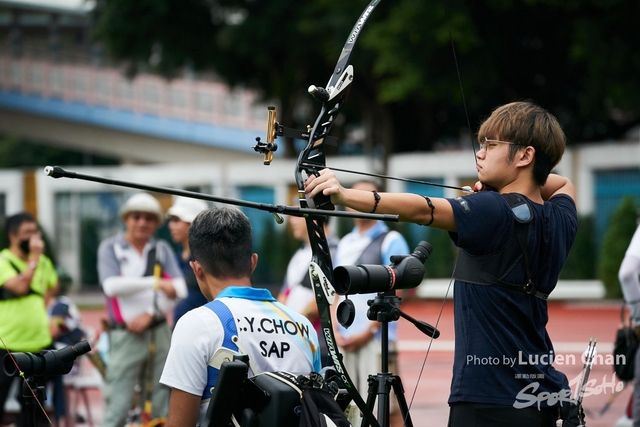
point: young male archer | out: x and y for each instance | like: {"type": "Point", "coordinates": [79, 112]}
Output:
{"type": "Point", "coordinates": [514, 237]}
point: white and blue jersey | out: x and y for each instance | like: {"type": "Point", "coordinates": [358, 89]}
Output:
{"type": "Point", "coordinates": [240, 320]}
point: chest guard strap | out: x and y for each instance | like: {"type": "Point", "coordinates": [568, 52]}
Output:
{"type": "Point", "coordinates": [492, 269]}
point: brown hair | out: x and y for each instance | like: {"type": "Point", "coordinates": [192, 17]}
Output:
{"type": "Point", "coordinates": [526, 124]}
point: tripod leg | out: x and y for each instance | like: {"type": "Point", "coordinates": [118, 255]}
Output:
{"type": "Point", "coordinates": [384, 389]}
{"type": "Point", "coordinates": [398, 390]}
{"type": "Point", "coordinates": [371, 397]}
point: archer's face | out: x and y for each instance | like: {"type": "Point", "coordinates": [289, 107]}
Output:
{"type": "Point", "coordinates": [493, 164]}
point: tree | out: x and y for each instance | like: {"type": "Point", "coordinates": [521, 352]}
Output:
{"type": "Point", "coordinates": [576, 58]}
{"type": "Point", "coordinates": [622, 225]}
{"type": "Point", "coordinates": [581, 264]}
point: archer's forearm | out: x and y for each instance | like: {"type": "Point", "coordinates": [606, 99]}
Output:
{"type": "Point", "coordinates": [409, 207]}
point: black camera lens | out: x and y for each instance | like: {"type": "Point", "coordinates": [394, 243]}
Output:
{"type": "Point", "coordinates": [363, 279]}
{"type": "Point", "coordinates": [47, 362]}
{"type": "Point", "coordinates": [404, 272]}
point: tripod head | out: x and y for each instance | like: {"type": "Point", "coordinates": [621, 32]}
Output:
{"type": "Point", "coordinates": [385, 307]}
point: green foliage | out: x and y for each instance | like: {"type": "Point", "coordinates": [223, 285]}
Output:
{"type": "Point", "coordinates": [581, 264]}
{"type": "Point", "coordinates": [578, 59]}
{"type": "Point", "coordinates": [442, 260]}
{"type": "Point", "coordinates": [622, 225]}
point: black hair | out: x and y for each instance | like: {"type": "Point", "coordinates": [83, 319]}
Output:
{"type": "Point", "coordinates": [12, 224]}
{"type": "Point", "coordinates": [220, 240]}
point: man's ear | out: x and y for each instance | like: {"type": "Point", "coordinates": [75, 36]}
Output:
{"type": "Point", "coordinates": [527, 156]}
{"type": "Point", "coordinates": [197, 270]}
{"type": "Point", "coordinates": [254, 262]}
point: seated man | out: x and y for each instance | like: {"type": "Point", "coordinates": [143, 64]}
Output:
{"type": "Point", "coordinates": [238, 319]}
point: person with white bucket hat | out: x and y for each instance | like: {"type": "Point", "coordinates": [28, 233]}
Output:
{"type": "Point", "coordinates": [181, 215]}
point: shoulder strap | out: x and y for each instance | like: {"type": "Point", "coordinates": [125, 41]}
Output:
{"type": "Point", "coordinates": [372, 254]}
{"type": "Point", "coordinates": [522, 215]}
{"type": "Point", "coordinates": [151, 261]}
{"type": "Point", "coordinates": [231, 345]}
{"type": "Point", "coordinates": [491, 270]}
{"type": "Point", "coordinates": [7, 294]}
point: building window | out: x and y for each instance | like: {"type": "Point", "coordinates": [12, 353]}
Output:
{"type": "Point", "coordinates": [37, 78]}
{"type": "Point", "coordinates": [177, 98]}
{"type": "Point", "coordinates": [610, 188]}
{"type": "Point", "coordinates": [204, 102]}
{"type": "Point", "coordinates": [126, 90]}
{"type": "Point", "coordinates": [80, 83]}
{"type": "Point", "coordinates": [16, 74]}
{"type": "Point", "coordinates": [103, 86]}
{"type": "Point", "coordinates": [150, 94]}
{"type": "Point", "coordinates": [57, 80]}
{"type": "Point", "coordinates": [233, 104]}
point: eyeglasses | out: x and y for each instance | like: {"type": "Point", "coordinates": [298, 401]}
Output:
{"type": "Point", "coordinates": [483, 145]}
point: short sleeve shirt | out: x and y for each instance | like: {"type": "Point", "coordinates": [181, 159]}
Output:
{"type": "Point", "coordinates": [275, 337]}
{"type": "Point", "coordinates": [502, 348]}
{"type": "Point", "coordinates": [24, 322]}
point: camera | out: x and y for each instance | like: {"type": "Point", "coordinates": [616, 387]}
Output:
{"type": "Point", "coordinates": [46, 362]}
{"type": "Point", "coordinates": [404, 272]}
{"type": "Point", "coordinates": [271, 399]}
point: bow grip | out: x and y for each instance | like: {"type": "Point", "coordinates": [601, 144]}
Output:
{"type": "Point", "coordinates": [323, 202]}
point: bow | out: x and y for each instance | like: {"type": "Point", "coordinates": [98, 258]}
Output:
{"type": "Point", "coordinates": [310, 161]}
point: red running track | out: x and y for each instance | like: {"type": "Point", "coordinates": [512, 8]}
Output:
{"type": "Point", "coordinates": [426, 385]}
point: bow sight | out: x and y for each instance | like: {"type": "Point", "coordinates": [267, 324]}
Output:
{"type": "Point", "coordinates": [275, 129]}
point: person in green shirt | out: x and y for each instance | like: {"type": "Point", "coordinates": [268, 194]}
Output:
{"type": "Point", "coordinates": [27, 279]}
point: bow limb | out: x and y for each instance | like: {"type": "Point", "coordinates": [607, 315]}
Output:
{"type": "Point", "coordinates": [310, 161]}
{"type": "Point", "coordinates": [333, 97]}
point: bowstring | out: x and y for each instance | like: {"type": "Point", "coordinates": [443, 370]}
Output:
{"type": "Point", "coordinates": [473, 149]}
{"type": "Point", "coordinates": [455, 60]}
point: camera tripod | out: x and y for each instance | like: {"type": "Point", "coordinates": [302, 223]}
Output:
{"type": "Point", "coordinates": [37, 369]}
{"type": "Point", "coordinates": [385, 308]}
{"type": "Point", "coordinates": [33, 391]}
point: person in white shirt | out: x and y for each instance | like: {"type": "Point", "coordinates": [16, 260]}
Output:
{"type": "Point", "coordinates": [239, 319]}
{"type": "Point", "coordinates": [629, 275]}
{"type": "Point", "coordinates": [136, 309]}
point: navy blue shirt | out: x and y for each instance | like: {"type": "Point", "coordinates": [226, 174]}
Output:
{"type": "Point", "coordinates": [503, 354]}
